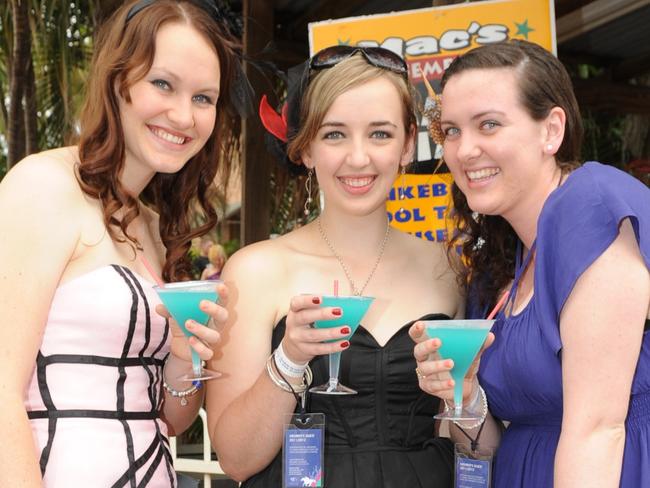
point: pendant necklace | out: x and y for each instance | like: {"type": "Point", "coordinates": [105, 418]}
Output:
{"type": "Point", "coordinates": [353, 288]}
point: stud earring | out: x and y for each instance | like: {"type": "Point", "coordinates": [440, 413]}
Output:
{"type": "Point", "coordinates": [549, 147]}
{"type": "Point", "coordinates": [308, 183]}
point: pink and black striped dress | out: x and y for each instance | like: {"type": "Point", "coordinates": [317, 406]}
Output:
{"type": "Point", "coordinates": [95, 396]}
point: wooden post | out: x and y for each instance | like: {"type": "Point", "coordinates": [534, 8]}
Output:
{"type": "Point", "coordinates": [256, 161]}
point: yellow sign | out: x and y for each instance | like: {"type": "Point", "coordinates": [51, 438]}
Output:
{"type": "Point", "coordinates": [429, 39]}
{"type": "Point", "coordinates": [441, 31]}
{"type": "Point", "coordinates": [418, 204]}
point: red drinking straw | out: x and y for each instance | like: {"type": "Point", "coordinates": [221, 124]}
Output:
{"type": "Point", "coordinates": [152, 272]}
{"type": "Point", "coordinates": [498, 306]}
{"type": "Point", "coordinates": [336, 288]}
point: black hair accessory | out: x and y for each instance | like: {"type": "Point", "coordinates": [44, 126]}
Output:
{"type": "Point", "coordinates": [281, 128]}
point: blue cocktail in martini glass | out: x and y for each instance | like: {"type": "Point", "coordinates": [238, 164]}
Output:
{"type": "Point", "coordinates": [353, 308]}
{"type": "Point", "coordinates": [460, 341]}
{"type": "Point", "coordinates": [182, 301]}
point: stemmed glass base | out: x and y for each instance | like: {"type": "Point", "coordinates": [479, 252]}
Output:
{"type": "Point", "coordinates": [332, 388]}
{"type": "Point", "coordinates": [460, 414]}
{"type": "Point", "coordinates": [204, 375]}
{"type": "Point", "coordinates": [198, 372]}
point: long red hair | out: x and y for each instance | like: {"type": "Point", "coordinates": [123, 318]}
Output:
{"type": "Point", "coordinates": [123, 55]}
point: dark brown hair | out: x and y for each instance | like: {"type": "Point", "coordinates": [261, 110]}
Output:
{"type": "Point", "coordinates": [124, 53]}
{"type": "Point", "coordinates": [488, 241]}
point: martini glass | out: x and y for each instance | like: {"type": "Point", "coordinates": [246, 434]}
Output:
{"type": "Point", "coordinates": [354, 308]}
{"type": "Point", "coordinates": [182, 300]}
{"type": "Point", "coordinates": [461, 341]}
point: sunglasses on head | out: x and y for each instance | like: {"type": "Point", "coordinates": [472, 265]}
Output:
{"type": "Point", "coordinates": [376, 56]}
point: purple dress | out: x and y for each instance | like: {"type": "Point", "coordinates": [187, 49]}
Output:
{"type": "Point", "coordinates": [522, 371]}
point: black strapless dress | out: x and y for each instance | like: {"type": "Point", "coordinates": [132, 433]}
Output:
{"type": "Point", "coordinates": [384, 436]}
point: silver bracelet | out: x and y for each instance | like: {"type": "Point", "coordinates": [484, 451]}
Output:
{"type": "Point", "coordinates": [480, 398]}
{"type": "Point", "coordinates": [286, 366]}
{"type": "Point", "coordinates": [281, 383]}
{"type": "Point", "coordinates": [194, 388]}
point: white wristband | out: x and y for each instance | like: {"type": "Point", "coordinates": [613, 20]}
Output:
{"type": "Point", "coordinates": [286, 366]}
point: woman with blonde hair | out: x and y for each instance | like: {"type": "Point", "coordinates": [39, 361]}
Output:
{"type": "Point", "coordinates": [217, 259]}
{"type": "Point", "coordinates": [356, 129]}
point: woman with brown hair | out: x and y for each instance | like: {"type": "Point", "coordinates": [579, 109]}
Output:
{"type": "Point", "coordinates": [89, 370]}
{"type": "Point", "coordinates": [355, 131]}
{"type": "Point", "coordinates": [569, 368]}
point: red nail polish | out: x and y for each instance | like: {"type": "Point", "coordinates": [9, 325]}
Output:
{"type": "Point", "coordinates": [345, 330]}
{"type": "Point", "coordinates": [336, 311]}
{"type": "Point", "coordinates": [345, 344]}
{"type": "Point", "coordinates": [315, 300]}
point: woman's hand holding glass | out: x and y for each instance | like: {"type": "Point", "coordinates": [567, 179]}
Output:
{"type": "Point", "coordinates": [302, 342]}
{"type": "Point", "coordinates": [204, 337]}
{"type": "Point", "coordinates": [434, 373]}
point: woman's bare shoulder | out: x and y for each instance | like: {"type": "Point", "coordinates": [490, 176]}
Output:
{"type": "Point", "coordinates": [46, 179]}
{"type": "Point", "coordinates": [257, 260]}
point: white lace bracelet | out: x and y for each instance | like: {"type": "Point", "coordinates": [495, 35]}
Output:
{"type": "Point", "coordinates": [481, 399]}
{"type": "Point", "coordinates": [286, 366]}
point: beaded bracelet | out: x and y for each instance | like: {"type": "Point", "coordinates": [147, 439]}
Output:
{"type": "Point", "coordinates": [182, 394]}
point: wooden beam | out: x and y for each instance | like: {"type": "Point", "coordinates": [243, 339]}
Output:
{"type": "Point", "coordinates": [563, 7]}
{"type": "Point", "coordinates": [256, 161]}
{"type": "Point", "coordinates": [612, 97]}
{"type": "Point", "coordinates": [593, 15]}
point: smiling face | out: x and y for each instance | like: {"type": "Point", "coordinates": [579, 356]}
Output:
{"type": "Point", "coordinates": [172, 111]}
{"type": "Point", "coordinates": [359, 147]}
{"type": "Point", "coordinates": [501, 159]}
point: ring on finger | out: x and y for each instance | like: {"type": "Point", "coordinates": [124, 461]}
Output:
{"type": "Point", "coordinates": [419, 374]}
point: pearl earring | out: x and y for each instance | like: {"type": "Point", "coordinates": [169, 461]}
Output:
{"type": "Point", "coordinates": [549, 147]}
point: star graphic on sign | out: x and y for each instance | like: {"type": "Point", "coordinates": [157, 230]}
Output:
{"type": "Point", "coordinates": [523, 29]}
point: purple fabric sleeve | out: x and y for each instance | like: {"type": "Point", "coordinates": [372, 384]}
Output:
{"type": "Point", "coordinates": [579, 221]}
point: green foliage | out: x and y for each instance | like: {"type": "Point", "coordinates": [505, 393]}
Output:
{"type": "Point", "coordinates": [5, 49]}
{"type": "Point", "coordinates": [603, 139]}
{"type": "Point", "coordinates": [61, 50]}
{"type": "Point", "coordinates": [288, 197]}
{"type": "Point", "coordinates": [231, 246]}
{"type": "Point", "coordinates": [603, 131]}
